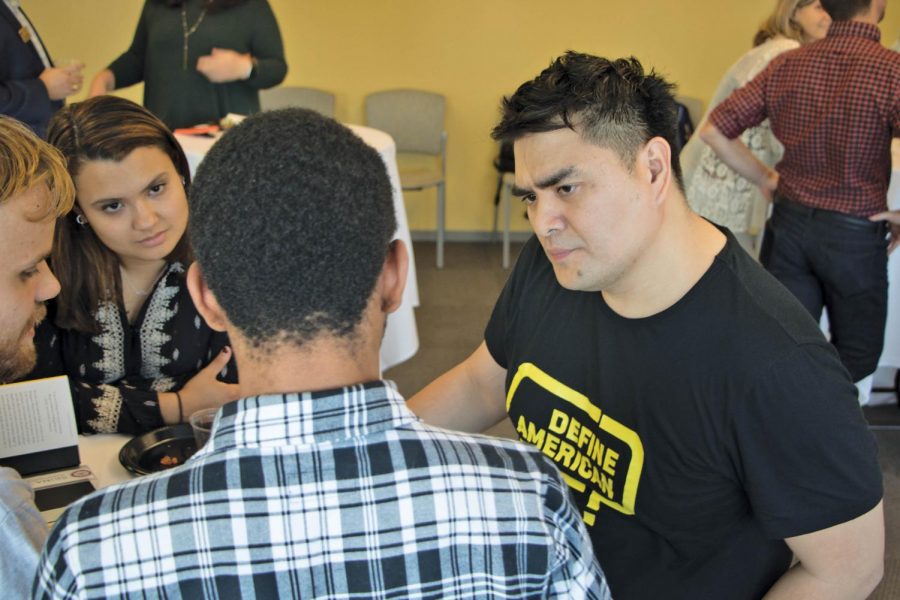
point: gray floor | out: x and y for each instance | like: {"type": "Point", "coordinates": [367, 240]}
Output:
{"type": "Point", "coordinates": [455, 305]}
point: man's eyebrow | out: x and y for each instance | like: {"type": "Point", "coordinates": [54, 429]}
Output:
{"type": "Point", "coordinates": [549, 181]}
{"type": "Point", "coordinates": [33, 263]}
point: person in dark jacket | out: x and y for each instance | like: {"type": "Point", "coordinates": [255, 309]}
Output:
{"type": "Point", "coordinates": [31, 87]}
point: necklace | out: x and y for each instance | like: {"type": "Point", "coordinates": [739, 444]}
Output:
{"type": "Point", "coordinates": [188, 31]}
{"type": "Point", "coordinates": [134, 290]}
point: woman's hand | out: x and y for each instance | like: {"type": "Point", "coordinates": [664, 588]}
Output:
{"type": "Point", "coordinates": [203, 390]}
{"type": "Point", "coordinates": [103, 83]}
{"type": "Point", "coordinates": [222, 66]}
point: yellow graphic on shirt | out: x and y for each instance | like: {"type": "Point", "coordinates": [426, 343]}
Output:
{"type": "Point", "coordinates": [590, 465]}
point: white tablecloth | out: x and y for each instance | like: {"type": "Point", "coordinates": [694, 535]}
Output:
{"type": "Point", "coordinates": [890, 356]}
{"type": "Point", "coordinates": [101, 453]}
{"type": "Point", "coordinates": [401, 338]}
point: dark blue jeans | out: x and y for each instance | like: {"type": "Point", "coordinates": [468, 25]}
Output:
{"type": "Point", "coordinates": [837, 261]}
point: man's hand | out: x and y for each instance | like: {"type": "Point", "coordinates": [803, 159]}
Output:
{"type": "Point", "coordinates": [62, 81]}
{"type": "Point", "coordinates": [222, 66]}
{"type": "Point", "coordinates": [893, 219]}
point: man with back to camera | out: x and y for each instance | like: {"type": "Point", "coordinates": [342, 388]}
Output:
{"type": "Point", "coordinates": [34, 189]}
{"type": "Point", "coordinates": [834, 105]}
{"type": "Point", "coordinates": [319, 482]}
{"type": "Point", "coordinates": [703, 423]}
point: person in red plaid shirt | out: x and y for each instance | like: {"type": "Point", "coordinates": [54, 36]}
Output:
{"type": "Point", "coordinates": [835, 105]}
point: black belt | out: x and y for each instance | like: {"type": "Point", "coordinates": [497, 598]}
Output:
{"type": "Point", "coordinates": [828, 215]}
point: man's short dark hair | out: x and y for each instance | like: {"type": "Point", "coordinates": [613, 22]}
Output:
{"type": "Point", "coordinates": [845, 10]}
{"type": "Point", "coordinates": [291, 219]}
{"type": "Point", "coordinates": [613, 102]}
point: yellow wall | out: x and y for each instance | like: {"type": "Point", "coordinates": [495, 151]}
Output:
{"type": "Point", "coordinates": [473, 51]}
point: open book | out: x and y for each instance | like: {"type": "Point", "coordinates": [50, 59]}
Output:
{"type": "Point", "coordinates": [39, 439]}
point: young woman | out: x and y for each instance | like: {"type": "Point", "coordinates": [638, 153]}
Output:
{"type": "Point", "coordinates": [715, 191]}
{"type": "Point", "coordinates": [124, 328]}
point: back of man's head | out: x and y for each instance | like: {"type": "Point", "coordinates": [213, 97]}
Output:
{"type": "Point", "coordinates": [291, 219]}
{"type": "Point", "coordinates": [26, 161]}
{"type": "Point", "coordinates": [845, 10]}
{"type": "Point", "coordinates": [613, 103]}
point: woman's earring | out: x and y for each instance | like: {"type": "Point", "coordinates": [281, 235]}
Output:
{"type": "Point", "coordinates": [79, 218]}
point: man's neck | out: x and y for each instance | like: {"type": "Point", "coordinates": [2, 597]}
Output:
{"type": "Point", "coordinates": [317, 365]}
{"type": "Point", "coordinates": [872, 16]}
{"type": "Point", "coordinates": [670, 266]}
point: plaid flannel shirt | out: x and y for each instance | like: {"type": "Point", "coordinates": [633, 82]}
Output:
{"type": "Point", "coordinates": [338, 494]}
{"type": "Point", "coordinates": [834, 105]}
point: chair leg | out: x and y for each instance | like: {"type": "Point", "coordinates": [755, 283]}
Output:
{"type": "Point", "coordinates": [506, 193]}
{"type": "Point", "coordinates": [497, 203]}
{"type": "Point", "coordinates": [440, 225]}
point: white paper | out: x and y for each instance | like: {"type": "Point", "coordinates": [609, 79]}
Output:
{"type": "Point", "coordinates": [36, 416]}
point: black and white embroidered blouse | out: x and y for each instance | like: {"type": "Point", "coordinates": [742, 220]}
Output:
{"type": "Point", "coordinates": [115, 374]}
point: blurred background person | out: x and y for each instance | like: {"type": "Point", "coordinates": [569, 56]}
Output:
{"type": "Point", "coordinates": [200, 59]}
{"type": "Point", "coordinates": [31, 88]}
{"type": "Point", "coordinates": [124, 328]}
{"type": "Point", "coordinates": [715, 191]}
{"type": "Point", "coordinates": [835, 105]}
{"type": "Point", "coordinates": [34, 190]}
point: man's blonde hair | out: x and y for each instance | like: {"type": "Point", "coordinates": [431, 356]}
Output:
{"type": "Point", "coordinates": [26, 161]}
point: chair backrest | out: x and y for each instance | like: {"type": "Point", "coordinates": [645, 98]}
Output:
{"type": "Point", "coordinates": [414, 118]}
{"type": "Point", "coordinates": [694, 107]}
{"type": "Point", "coordinates": [506, 158]}
{"type": "Point", "coordinates": [304, 97]}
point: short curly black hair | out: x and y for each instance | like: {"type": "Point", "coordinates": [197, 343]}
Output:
{"type": "Point", "coordinates": [613, 102]}
{"type": "Point", "coordinates": [845, 10]}
{"type": "Point", "coordinates": [292, 216]}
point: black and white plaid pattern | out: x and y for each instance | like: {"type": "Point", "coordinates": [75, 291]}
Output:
{"type": "Point", "coordinates": [339, 494]}
{"type": "Point", "coordinates": [834, 104]}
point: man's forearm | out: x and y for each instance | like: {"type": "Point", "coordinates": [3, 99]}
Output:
{"type": "Point", "coordinates": [468, 397]}
{"type": "Point", "coordinates": [798, 583]}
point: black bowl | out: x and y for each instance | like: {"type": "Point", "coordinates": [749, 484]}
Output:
{"type": "Point", "coordinates": [159, 449]}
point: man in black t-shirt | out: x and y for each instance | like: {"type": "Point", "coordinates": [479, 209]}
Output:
{"type": "Point", "coordinates": [705, 427]}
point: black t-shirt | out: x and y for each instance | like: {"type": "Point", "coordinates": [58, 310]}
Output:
{"type": "Point", "coordinates": [694, 440]}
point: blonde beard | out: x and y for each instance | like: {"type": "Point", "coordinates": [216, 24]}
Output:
{"type": "Point", "coordinates": [22, 354]}
{"type": "Point", "coordinates": [16, 365]}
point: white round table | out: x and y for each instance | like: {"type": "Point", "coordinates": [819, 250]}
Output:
{"type": "Point", "coordinates": [890, 356]}
{"type": "Point", "coordinates": [401, 337]}
{"type": "Point", "coordinates": [100, 452]}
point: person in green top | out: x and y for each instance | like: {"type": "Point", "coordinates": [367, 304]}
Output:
{"type": "Point", "coordinates": [200, 59]}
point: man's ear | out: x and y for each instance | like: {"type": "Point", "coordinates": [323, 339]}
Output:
{"type": "Point", "coordinates": [657, 158]}
{"type": "Point", "coordinates": [204, 299]}
{"type": "Point", "coordinates": [392, 280]}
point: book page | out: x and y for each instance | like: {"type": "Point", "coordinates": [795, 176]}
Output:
{"type": "Point", "coordinates": [36, 416]}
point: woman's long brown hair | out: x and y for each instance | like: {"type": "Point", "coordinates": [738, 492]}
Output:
{"type": "Point", "coordinates": [101, 128]}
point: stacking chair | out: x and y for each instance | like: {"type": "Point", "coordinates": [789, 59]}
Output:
{"type": "Point", "coordinates": [304, 97]}
{"type": "Point", "coordinates": [505, 163]}
{"type": "Point", "coordinates": [694, 108]}
{"type": "Point", "coordinates": [689, 113]}
{"type": "Point", "coordinates": [415, 119]}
